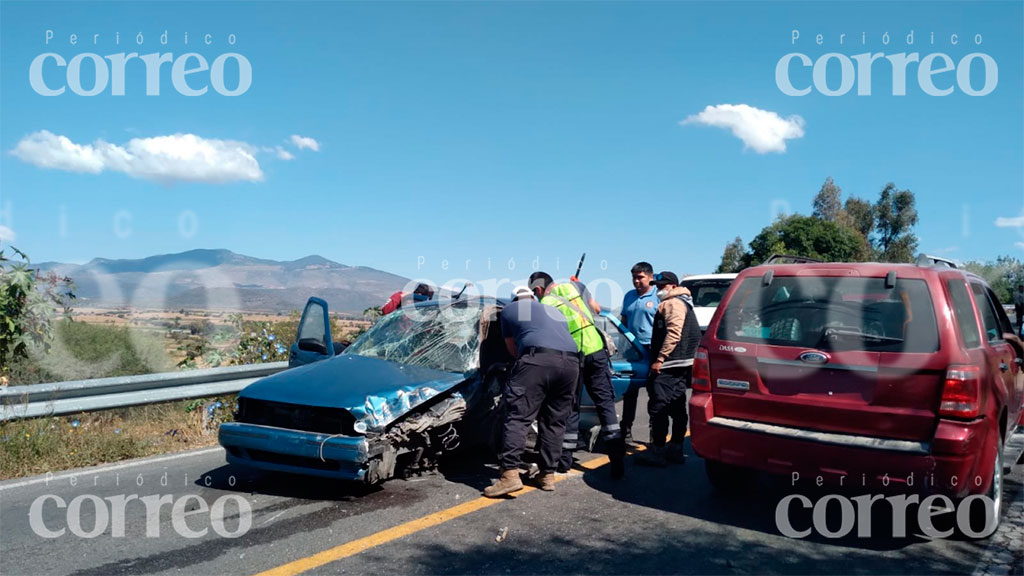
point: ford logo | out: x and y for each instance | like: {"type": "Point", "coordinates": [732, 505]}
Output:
{"type": "Point", "coordinates": [814, 357]}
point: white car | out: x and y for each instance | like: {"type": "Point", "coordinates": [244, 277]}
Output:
{"type": "Point", "coordinates": [707, 291]}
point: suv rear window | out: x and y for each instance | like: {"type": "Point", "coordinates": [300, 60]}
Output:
{"type": "Point", "coordinates": [707, 293]}
{"type": "Point", "coordinates": [838, 313]}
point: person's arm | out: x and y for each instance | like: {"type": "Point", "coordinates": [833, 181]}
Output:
{"type": "Point", "coordinates": [674, 319]}
{"type": "Point", "coordinates": [510, 327]}
{"type": "Point", "coordinates": [510, 343]}
{"type": "Point", "coordinates": [392, 304]}
{"type": "Point", "coordinates": [588, 297]}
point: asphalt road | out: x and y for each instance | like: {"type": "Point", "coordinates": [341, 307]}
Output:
{"type": "Point", "coordinates": [655, 521]}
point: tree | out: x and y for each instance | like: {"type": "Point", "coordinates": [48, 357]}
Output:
{"type": "Point", "coordinates": [895, 217]}
{"type": "Point", "coordinates": [1003, 275]}
{"type": "Point", "coordinates": [828, 204]}
{"type": "Point", "coordinates": [860, 215]}
{"type": "Point", "coordinates": [372, 314]}
{"type": "Point", "coordinates": [806, 236]}
{"type": "Point", "coordinates": [29, 303]}
{"type": "Point", "coordinates": [732, 257]}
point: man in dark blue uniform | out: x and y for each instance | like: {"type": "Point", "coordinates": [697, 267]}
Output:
{"type": "Point", "coordinates": [541, 387]}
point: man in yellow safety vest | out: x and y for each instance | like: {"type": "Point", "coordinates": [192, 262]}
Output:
{"type": "Point", "coordinates": [573, 300]}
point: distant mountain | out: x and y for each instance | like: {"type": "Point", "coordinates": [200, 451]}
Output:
{"type": "Point", "coordinates": [224, 280]}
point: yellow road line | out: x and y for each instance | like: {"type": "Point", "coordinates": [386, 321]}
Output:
{"type": "Point", "coordinates": [383, 537]}
{"type": "Point", "coordinates": [356, 546]}
{"type": "Point", "coordinates": [411, 527]}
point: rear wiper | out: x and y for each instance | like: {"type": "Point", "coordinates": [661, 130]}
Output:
{"type": "Point", "coordinates": [834, 334]}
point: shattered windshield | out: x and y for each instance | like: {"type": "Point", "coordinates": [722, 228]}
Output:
{"type": "Point", "coordinates": [439, 337]}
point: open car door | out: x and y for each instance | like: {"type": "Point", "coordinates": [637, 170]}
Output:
{"type": "Point", "coordinates": [630, 363]}
{"type": "Point", "coordinates": [313, 340]}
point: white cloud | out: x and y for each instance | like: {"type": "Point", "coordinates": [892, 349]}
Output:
{"type": "Point", "coordinates": [6, 234]}
{"type": "Point", "coordinates": [178, 157]}
{"type": "Point", "coordinates": [47, 150]}
{"type": "Point", "coordinates": [303, 142]}
{"type": "Point", "coordinates": [1017, 222]}
{"type": "Point", "coordinates": [1019, 245]}
{"type": "Point", "coordinates": [284, 154]}
{"type": "Point", "coordinates": [761, 130]}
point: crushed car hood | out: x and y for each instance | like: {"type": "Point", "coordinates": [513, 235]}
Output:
{"type": "Point", "coordinates": [375, 391]}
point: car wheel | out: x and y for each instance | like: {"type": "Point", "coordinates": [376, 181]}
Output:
{"type": "Point", "coordinates": [993, 497]}
{"type": "Point", "coordinates": [727, 478]}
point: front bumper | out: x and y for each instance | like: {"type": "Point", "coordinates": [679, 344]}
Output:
{"type": "Point", "coordinates": [947, 464]}
{"type": "Point", "coordinates": [282, 450]}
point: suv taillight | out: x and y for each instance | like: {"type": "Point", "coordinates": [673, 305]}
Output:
{"type": "Point", "coordinates": [701, 371]}
{"type": "Point", "coordinates": [961, 395]}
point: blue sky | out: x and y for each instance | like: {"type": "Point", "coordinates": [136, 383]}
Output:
{"type": "Point", "coordinates": [473, 131]}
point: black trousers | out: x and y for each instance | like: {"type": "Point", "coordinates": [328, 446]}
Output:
{"type": "Point", "coordinates": [540, 387]}
{"type": "Point", "coordinates": [667, 401]}
{"type": "Point", "coordinates": [1020, 316]}
{"type": "Point", "coordinates": [629, 402]}
{"type": "Point", "coordinates": [595, 376]}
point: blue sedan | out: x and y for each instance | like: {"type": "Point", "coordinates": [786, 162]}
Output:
{"type": "Point", "coordinates": [423, 381]}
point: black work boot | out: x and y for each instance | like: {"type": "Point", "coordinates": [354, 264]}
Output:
{"type": "Point", "coordinates": [627, 437]}
{"type": "Point", "coordinates": [653, 456]}
{"type": "Point", "coordinates": [617, 457]}
{"type": "Point", "coordinates": [674, 453]}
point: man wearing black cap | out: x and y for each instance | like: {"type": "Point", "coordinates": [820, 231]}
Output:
{"type": "Point", "coordinates": [674, 341]}
{"type": "Point", "coordinates": [541, 386]}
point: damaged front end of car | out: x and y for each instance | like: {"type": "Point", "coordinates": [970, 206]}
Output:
{"type": "Point", "coordinates": [415, 444]}
{"type": "Point", "coordinates": [330, 442]}
{"type": "Point", "coordinates": [405, 393]}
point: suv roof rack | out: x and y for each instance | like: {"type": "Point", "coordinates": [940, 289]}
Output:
{"type": "Point", "coordinates": [934, 261]}
{"type": "Point", "coordinates": [788, 259]}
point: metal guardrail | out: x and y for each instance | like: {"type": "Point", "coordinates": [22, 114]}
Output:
{"type": "Point", "coordinates": [76, 396]}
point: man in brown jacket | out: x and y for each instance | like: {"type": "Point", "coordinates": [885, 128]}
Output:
{"type": "Point", "coordinates": [674, 341]}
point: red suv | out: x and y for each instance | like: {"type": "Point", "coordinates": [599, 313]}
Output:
{"type": "Point", "coordinates": [873, 372]}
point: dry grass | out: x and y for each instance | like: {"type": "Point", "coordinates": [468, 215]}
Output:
{"type": "Point", "coordinates": [41, 445]}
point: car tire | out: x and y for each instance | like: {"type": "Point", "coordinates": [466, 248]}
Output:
{"type": "Point", "coordinates": [728, 479]}
{"type": "Point", "coordinates": [994, 494]}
